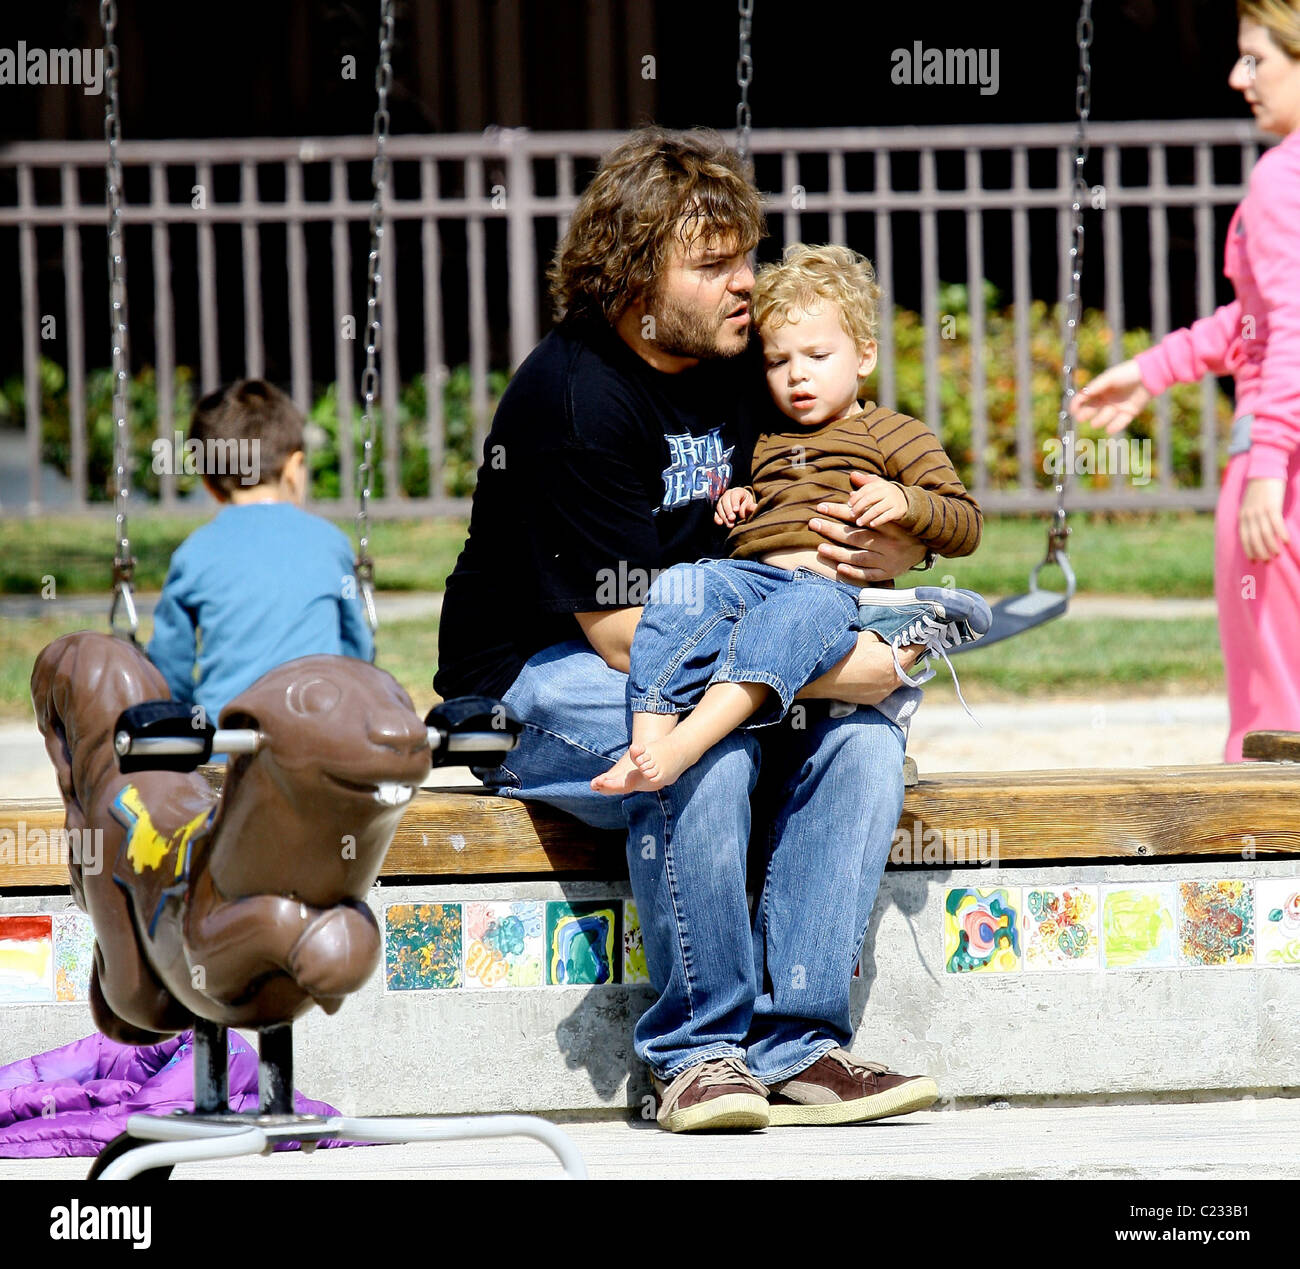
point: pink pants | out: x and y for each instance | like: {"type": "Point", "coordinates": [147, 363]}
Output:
{"type": "Point", "coordinates": [1259, 616]}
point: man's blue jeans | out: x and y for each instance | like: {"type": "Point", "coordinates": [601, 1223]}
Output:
{"type": "Point", "coordinates": [774, 989]}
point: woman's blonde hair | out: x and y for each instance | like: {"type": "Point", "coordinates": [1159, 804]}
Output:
{"type": "Point", "coordinates": [656, 185]}
{"type": "Point", "coordinates": [807, 276]}
{"type": "Point", "coordinates": [1280, 18]}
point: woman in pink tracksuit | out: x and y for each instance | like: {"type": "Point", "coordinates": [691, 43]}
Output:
{"type": "Point", "coordinates": [1256, 338]}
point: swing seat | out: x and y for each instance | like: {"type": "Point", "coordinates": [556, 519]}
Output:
{"type": "Point", "coordinates": [1018, 613]}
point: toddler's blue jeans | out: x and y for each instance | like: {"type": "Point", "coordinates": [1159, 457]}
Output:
{"type": "Point", "coordinates": [743, 621]}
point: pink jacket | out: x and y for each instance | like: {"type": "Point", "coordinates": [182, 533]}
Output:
{"type": "Point", "coordinates": [1256, 338]}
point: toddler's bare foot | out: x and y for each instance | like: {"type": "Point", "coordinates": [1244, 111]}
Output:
{"type": "Point", "coordinates": [659, 763]}
{"type": "Point", "coordinates": [614, 780]}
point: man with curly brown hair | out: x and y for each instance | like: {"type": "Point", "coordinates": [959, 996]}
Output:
{"type": "Point", "coordinates": [608, 451]}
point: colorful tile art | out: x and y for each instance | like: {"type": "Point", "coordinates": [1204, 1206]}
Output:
{"type": "Point", "coordinates": [981, 931]}
{"type": "Point", "coordinates": [1277, 920]}
{"type": "Point", "coordinates": [635, 969]}
{"type": "Point", "coordinates": [1216, 922]}
{"type": "Point", "coordinates": [1060, 928]}
{"type": "Point", "coordinates": [503, 944]}
{"type": "Point", "coordinates": [584, 943]}
{"type": "Point", "coordinates": [1138, 926]}
{"type": "Point", "coordinates": [26, 959]}
{"type": "Point", "coordinates": [74, 954]}
{"type": "Point", "coordinates": [422, 946]}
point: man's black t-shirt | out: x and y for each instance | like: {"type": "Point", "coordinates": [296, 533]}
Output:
{"type": "Point", "coordinates": [598, 471]}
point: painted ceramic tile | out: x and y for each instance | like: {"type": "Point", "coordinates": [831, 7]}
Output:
{"type": "Point", "coordinates": [1060, 927]}
{"type": "Point", "coordinates": [635, 969]}
{"type": "Point", "coordinates": [26, 959]}
{"type": "Point", "coordinates": [74, 953]}
{"type": "Point", "coordinates": [503, 943]}
{"type": "Point", "coordinates": [1277, 920]}
{"type": "Point", "coordinates": [422, 945]}
{"type": "Point", "coordinates": [1139, 925]}
{"type": "Point", "coordinates": [584, 942]}
{"type": "Point", "coordinates": [1216, 924]}
{"type": "Point", "coordinates": [981, 930]}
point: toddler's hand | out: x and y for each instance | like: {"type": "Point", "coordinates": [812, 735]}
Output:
{"type": "Point", "coordinates": [735, 504]}
{"type": "Point", "coordinates": [877, 502]}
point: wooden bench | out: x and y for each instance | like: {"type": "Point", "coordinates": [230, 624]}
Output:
{"type": "Point", "coordinates": [1039, 816]}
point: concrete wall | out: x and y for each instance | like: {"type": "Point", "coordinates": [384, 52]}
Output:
{"type": "Point", "coordinates": [1096, 1032]}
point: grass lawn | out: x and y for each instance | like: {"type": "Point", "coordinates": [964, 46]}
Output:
{"type": "Point", "coordinates": [1101, 657]}
{"type": "Point", "coordinates": [1165, 555]}
{"type": "Point", "coordinates": [78, 552]}
{"type": "Point", "coordinates": [407, 650]}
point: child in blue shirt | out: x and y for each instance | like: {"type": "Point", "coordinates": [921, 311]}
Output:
{"type": "Point", "coordinates": [265, 581]}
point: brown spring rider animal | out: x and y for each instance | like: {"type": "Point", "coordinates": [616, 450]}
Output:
{"type": "Point", "coordinates": [243, 909]}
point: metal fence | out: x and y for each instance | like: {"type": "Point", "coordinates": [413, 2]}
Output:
{"type": "Point", "coordinates": [505, 198]}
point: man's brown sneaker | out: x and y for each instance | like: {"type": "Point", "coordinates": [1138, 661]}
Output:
{"type": "Point", "coordinates": [838, 1089]}
{"type": "Point", "coordinates": [710, 1095]}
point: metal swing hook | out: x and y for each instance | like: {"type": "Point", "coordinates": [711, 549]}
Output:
{"type": "Point", "coordinates": [365, 574]}
{"type": "Point", "coordinates": [1057, 536]}
{"type": "Point", "coordinates": [123, 600]}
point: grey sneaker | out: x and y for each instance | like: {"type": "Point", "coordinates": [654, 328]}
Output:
{"type": "Point", "coordinates": [948, 619]}
{"type": "Point", "coordinates": [712, 1095]}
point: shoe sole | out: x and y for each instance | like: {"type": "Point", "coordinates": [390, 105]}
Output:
{"type": "Point", "coordinates": [735, 1111]}
{"type": "Point", "coordinates": [902, 1100]}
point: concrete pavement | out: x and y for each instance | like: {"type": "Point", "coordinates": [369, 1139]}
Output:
{"type": "Point", "coordinates": [1253, 1137]}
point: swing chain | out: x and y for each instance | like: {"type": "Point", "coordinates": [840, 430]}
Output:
{"type": "Point", "coordinates": [123, 561]}
{"type": "Point", "coordinates": [379, 172]}
{"type": "Point", "coordinates": [744, 77]}
{"type": "Point", "coordinates": [1059, 532]}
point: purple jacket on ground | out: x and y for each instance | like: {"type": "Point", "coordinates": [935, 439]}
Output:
{"type": "Point", "coordinates": [74, 1100]}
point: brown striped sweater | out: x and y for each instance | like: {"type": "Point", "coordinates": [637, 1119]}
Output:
{"type": "Point", "coordinates": [793, 471]}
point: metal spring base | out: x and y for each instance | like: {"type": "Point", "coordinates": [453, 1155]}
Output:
{"type": "Point", "coordinates": [189, 1138]}
{"type": "Point", "coordinates": [213, 1132]}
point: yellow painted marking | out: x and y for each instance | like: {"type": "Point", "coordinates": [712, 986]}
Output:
{"type": "Point", "coordinates": [148, 847]}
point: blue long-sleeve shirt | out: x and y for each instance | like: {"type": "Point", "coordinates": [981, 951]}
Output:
{"type": "Point", "coordinates": [260, 584]}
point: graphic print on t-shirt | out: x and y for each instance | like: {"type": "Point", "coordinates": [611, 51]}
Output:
{"type": "Point", "coordinates": [700, 468]}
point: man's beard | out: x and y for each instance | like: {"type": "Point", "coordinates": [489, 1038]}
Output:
{"type": "Point", "coordinates": [680, 331]}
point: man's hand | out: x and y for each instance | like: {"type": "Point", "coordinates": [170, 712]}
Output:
{"type": "Point", "coordinates": [863, 557]}
{"type": "Point", "coordinates": [878, 502]}
{"type": "Point", "coordinates": [1260, 520]}
{"type": "Point", "coordinates": [735, 504]}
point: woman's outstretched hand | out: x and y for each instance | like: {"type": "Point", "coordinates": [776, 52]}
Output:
{"type": "Point", "coordinates": [1113, 399]}
{"type": "Point", "coordinates": [1260, 521]}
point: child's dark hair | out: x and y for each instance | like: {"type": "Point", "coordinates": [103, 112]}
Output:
{"type": "Point", "coordinates": [248, 410]}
